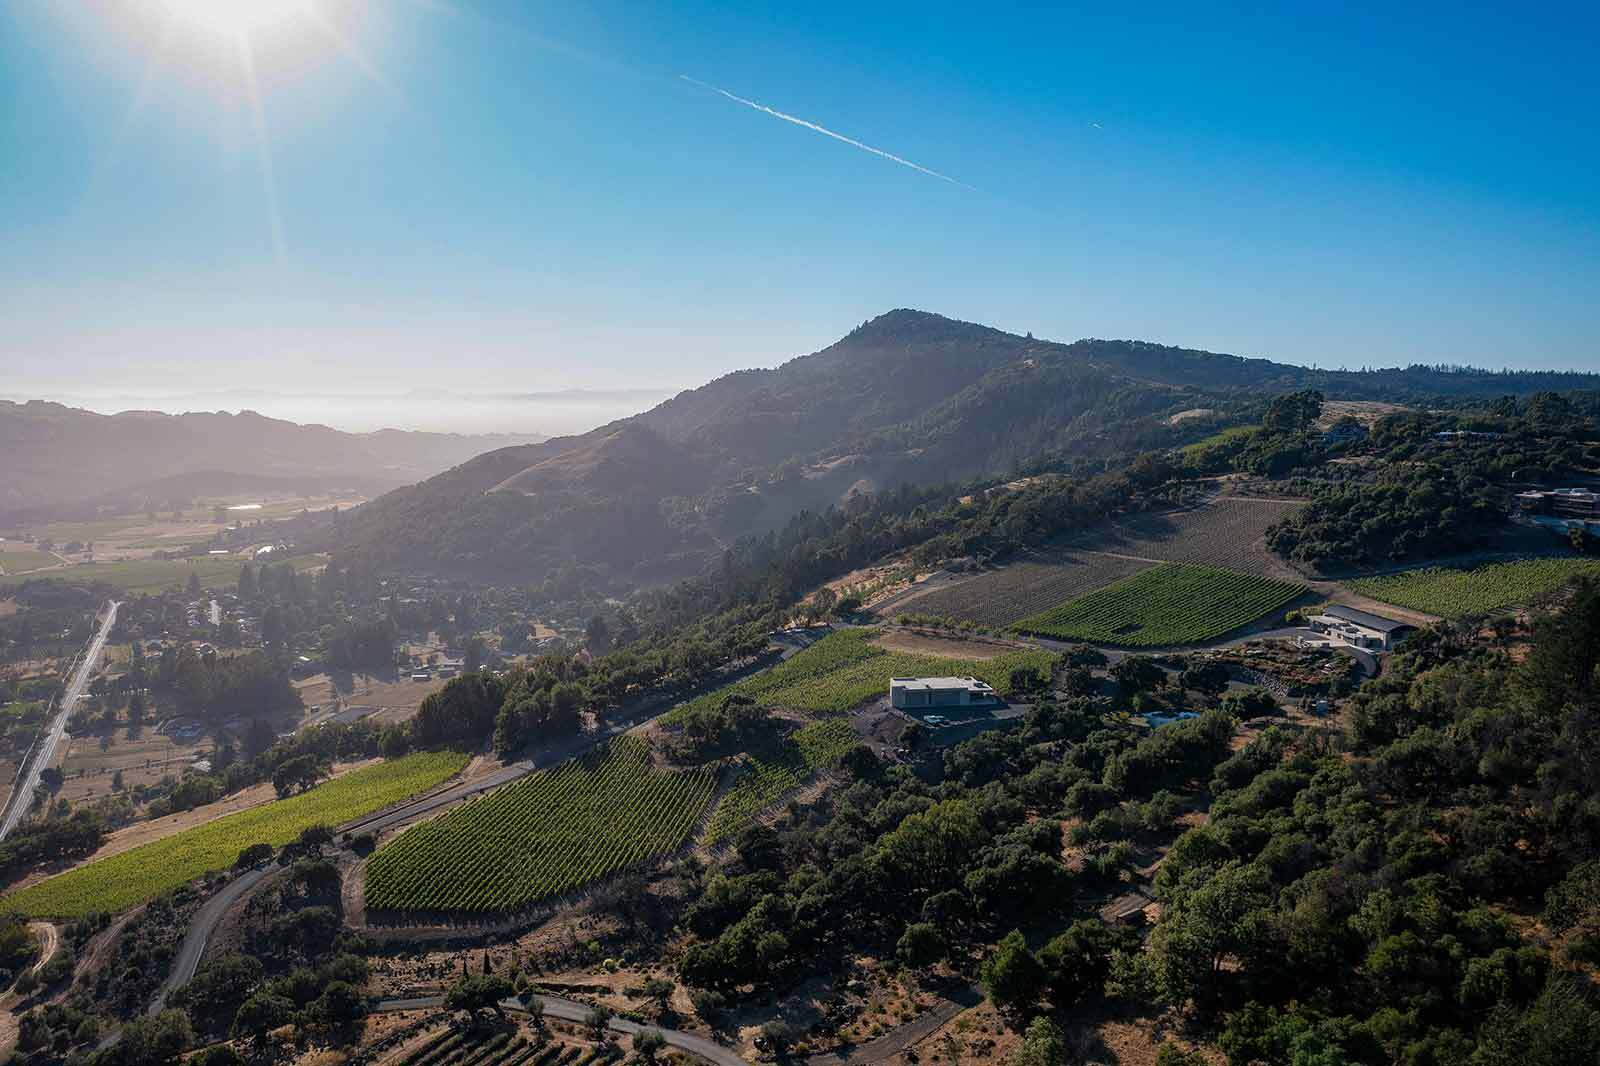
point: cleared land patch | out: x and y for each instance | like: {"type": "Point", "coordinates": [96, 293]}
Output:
{"type": "Point", "coordinates": [919, 643]}
{"type": "Point", "coordinates": [547, 835]}
{"type": "Point", "coordinates": [1171, 604]}
{"type": "Point", "coordinates": [1453, 592]}
{"type": "Point", "coordinates": [1000, 597]}
{"type": "Point", "coordinates": [845, 669]}
{"type": "Point", "coordinates": [1226, 532]}
{"type": "Point", "coordinates": [140, 874]}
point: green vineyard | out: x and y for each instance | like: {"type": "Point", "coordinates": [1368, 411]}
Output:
{"type": "Point", "coordinates": [1454, 593]}
{"type": "Point", "coordinates": [845, 669]}
{"type": "Point", "coordinates": [547, 835]}
{"type": "Point", "coordinates": [120, 881]}
{"type": "Point", "coordinates": [1174, 603]}
{"type": "Point", "coordinates": [775, 770]}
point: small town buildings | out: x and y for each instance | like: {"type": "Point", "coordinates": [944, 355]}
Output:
{"type": "Point", "coordinates": [917, 693]}
{"type": "Point", "coordinates": [1361, 629]}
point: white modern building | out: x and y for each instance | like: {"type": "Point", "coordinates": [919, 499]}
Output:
{"type": "Point", "coordinates": [918, 693]}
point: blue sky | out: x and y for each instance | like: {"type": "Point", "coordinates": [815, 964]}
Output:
{"type": "Point", "coordinates": [492, 196]}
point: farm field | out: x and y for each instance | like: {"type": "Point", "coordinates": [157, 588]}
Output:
{"type": "Point", "coordinates": [1219, 437]}
{"type": "Point", "coordinates": [1227, 532]}
{"type": "Point", "coordinates": [173, 529]}
{"type": "Point", "coordinates": [775, 770]}
{"type": "Point", "coordinates": [845, 669]}
{"type": "Point", "coordinates": [547, 835]}
{"type": "Point", "coordinates": [1452, 592]}
{"type": "Point", "coordinates": [155, 575]}
{"type": "Point", "coordinates": [1171, 604]}
{"type": "Point", "coordinates": [19, 559]}
{"type": "Point", "coordinates": [1017, 590]}
{"type": "Point", "coordinates": [132, 877]}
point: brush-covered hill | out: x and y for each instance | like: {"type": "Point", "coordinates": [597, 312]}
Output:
{"type": "Point", "coordinates": [57, 456]}
{"type": "Point", "coordinates": [907, 397]}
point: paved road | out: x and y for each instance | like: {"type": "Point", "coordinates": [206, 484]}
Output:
{"type": "Point", "coordinates": [572, 1011]}
{"type": "Point", "coordinates": [205, 921]}
{"type": "Point", "coordinates": [22, 792]}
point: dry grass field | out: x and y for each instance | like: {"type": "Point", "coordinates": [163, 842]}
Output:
{"type": "Point", "coordinates": [1228, 532]}
{"type": "Point", "coordinates": [1002, 596]}
{"type": "Point", "coordinates": [143, 761]}
{"type": "Point", "coordinates": [394, 700]}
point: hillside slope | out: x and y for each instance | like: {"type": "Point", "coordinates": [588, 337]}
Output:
{"type": "Point", "coordinates": [907, 397]}
{"type": "Point", "coordinates": [57, 455]}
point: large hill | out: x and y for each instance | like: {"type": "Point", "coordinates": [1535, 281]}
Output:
{"type": "Point", "coordinates": [58, 456]}
{"type": "Point", "coordinates": [907, 397]}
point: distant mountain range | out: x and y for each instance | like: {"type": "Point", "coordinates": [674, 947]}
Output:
{"type": "Point", "coordinates": [907, 397]}
{"type": "Point", "coordinates": [58, 457]}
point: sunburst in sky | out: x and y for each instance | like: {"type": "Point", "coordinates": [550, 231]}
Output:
{"type": "Point", "coordinates": [536, 194]}
{"type": "Point", "coordinates": [235, 18]}
{"type": "Point", "coordinates": [227, 35]}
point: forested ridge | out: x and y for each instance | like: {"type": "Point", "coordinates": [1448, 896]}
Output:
{"type": "Point", "coordinates": [907, 398]}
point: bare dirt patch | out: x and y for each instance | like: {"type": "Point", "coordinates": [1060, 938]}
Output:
{"type": "Point", "coordinates": [922, 643]}
{"type": "Point", "coordinates": [1367, 412]}
{"type": "Point", "coordinates": [390, 701]}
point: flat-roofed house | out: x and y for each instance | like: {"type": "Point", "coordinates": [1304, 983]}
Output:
{"type": "Point", "coordinates": [919, 693]}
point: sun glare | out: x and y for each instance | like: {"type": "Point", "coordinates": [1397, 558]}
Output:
{"type": "Point", "coordinates": [237, 18]}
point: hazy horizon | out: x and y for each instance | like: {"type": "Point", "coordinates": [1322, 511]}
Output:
{"type": "Point", "coordinates": [549, 413]}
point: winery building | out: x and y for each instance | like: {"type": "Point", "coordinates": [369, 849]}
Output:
{"type": "Point", "coordinates": [921, 693]}
{"type": "Point", "coordinates": [1363, 629]}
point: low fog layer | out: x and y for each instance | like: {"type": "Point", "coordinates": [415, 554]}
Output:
{"type": "Point", "coordinates": [551, 413]}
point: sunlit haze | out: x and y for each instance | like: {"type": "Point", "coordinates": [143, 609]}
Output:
{"type": "Point", "coordinates": [325, 196]}
{"type": "Point", "coordinates": [233, 17]}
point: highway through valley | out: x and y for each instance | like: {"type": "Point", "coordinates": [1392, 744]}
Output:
{"type": "Point", "coordinates": [44, 749]}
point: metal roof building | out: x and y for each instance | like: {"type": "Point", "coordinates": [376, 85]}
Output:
{"type": "Point", "coordinates": [1361, 628]}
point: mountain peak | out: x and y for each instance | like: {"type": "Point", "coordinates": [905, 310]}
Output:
{"type": "Point", "coordinates": [906, 325]}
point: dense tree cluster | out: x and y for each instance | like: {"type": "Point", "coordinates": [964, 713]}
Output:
{"type": "Point", "coordinates": [53, 840]}
{"type": "Point", "coordinates": [1367, 911]}
{"type": "Point", "coordinates": [928, 871]}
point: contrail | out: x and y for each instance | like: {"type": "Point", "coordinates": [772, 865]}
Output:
{"type": "Point", "coordinates": [828, 133]}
